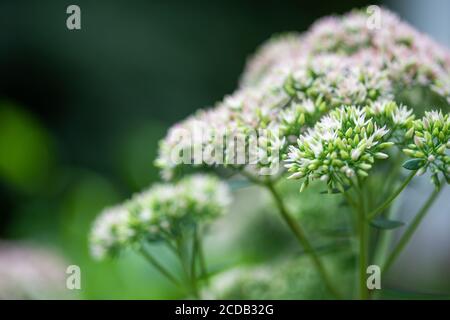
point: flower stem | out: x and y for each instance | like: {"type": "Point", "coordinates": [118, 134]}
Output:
{"type": "Point", "coordinates": [201, 256]}
{"type": "Point", "coordinates": [158, 266]}
{"type": "Point", "coordinates": [383, 206]}
{"type": "Point", "coordinates": [301, 237]}
{"type": "Point", "coordinates": [194, 256]}
{"type": "Point", "coordinates": [363, 249]}
{"type": "Point", "coordinates": [410, 231]}
{"type": "Point", "coordinates": [192, 284]}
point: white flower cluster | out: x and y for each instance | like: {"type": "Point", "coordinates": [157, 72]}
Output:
{"type": "Point", "coordinates": [342, 145]}
{"type": "Point", "coordinates": [243, 129]}
{"type": "Point", "coordinates": [295, 79]}
{"type": "Point", "coordinates": [268, 117]}
{"type": "Point", "coordinates": [163, 212]}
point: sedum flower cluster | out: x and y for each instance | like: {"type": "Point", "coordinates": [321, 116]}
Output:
{"type": "Point", "coordinates": [162, 212]}
{"type": "Point", "coordinates": [295, 79]}
{"type": "Point", "coordinates": [321, 105]}
{"type": "Point", "coordinates": [429, 145]}
{"type": "Point", "coordinates": [393, 46]}
{"type": "Point", "coordinates": [342, 145]}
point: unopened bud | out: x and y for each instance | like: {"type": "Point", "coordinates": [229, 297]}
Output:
{"type": "Point", "coordinates": [381, 155]}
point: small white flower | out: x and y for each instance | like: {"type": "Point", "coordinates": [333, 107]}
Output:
{"type": "Point", "coordinates": [356, 154]}
{"type": "Point", "coordinates": [401, 115]}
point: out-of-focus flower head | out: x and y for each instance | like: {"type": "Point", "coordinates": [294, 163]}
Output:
{"type": "Point", "coordinates": [110, 232]}
{"type": "Point", "coordinates": [283, 279]}
{"type": "Point", "coordinates": [205, 195]}
{"type": "Point", "coordinates": [285, 45]}
{"type": "Point", "coordinates": [409, 57]}
{"type": "Point", "coordinates": [30, 272]}
{"type": "Point", "coordinates": [161, 212]}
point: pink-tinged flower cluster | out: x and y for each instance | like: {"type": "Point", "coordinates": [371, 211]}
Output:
{"type": "Point", "coordinates": [293, 80]}
{"type": "Point", "coordinates": [408, 56]}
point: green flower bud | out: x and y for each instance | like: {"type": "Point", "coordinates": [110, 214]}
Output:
{"type": "Point", "coordinates": [386, 145]}
{"type": "Point", "coordinates": [362, 173]}
{"type": "Point", "coordinates": [409, 133]}
{"type": "Point", "coordinates": [381, 155]}
{"type": "Point", "coordinates": [365, 166]}
{"type": "Point", "coordinates": [409, 152]}
{"type": "Point", "coordinates": [349, 132]}
{"type": "Point", "coordinates": [344, 154]}
{"type": "Point", "coordinates": [419, 154]}
{"type": "Point", "coordinates": [441, 149]}
{"type": "Point", "coordinates": [301, 119]}
{"type": "Point", "coordinates": [418, 141]}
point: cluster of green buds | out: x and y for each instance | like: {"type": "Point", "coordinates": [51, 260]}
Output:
{"type": "Point", "coordinates": [163, 212]}
{"type": "Point", "coordinates": [341, 148]}
{"type": "Point", "coordinates": [429, 146]}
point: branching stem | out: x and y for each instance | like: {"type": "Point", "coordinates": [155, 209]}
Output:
{"type": "Point", "coordinates": [301, 237]}
{"type": "Point", "coordinates": [411, 229]}
{"type": "Point", "coordinates": [152, 260]}
{"type": "Point", "coordinates": [394, 195]}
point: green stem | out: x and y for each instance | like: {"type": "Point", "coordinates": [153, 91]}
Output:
{"type": "Point", "coordinates": [301, 237]}
{"type": "Point", "coordinates": [201, 256]}
{"type": "Point", "coordinates": [158, 266]}
{"type": "Point", "coordinates": [184, 264]}
{"type": "Point", "coordinates": [392, 175]}
{"type": "Point", "coordinates": [383, 206]}
{"type": "Point", "coordinates": [384, 237]}
{"type": "Point", "coordinates": [349, 199]}
{"type": "Point", "coordinates": [410, 231]}
{"type": "Point", "coordinates": [194, 257]}
{"type": "Point", "coordinates": [363, 249]}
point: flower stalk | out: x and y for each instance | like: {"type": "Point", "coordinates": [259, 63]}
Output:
{"type": "Point", "coordinates": [406, 237]}
{"type": "Point", "coordinates": [363, 247]}
{"type": "Point", "coordinates": [152, 260]}
{"type": "Point", "coordinates": [301, 237]}
{"type": "Point", "coordinates": [391, 198]}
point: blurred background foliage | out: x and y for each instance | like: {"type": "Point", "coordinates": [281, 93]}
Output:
{"type": "Point", "coordinates": [81, 113]}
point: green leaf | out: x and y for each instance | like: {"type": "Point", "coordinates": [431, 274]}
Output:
{"type": "Point", "coordinates": [413, 164]}
{"type": "Point", "coordinates": [386, 224]}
